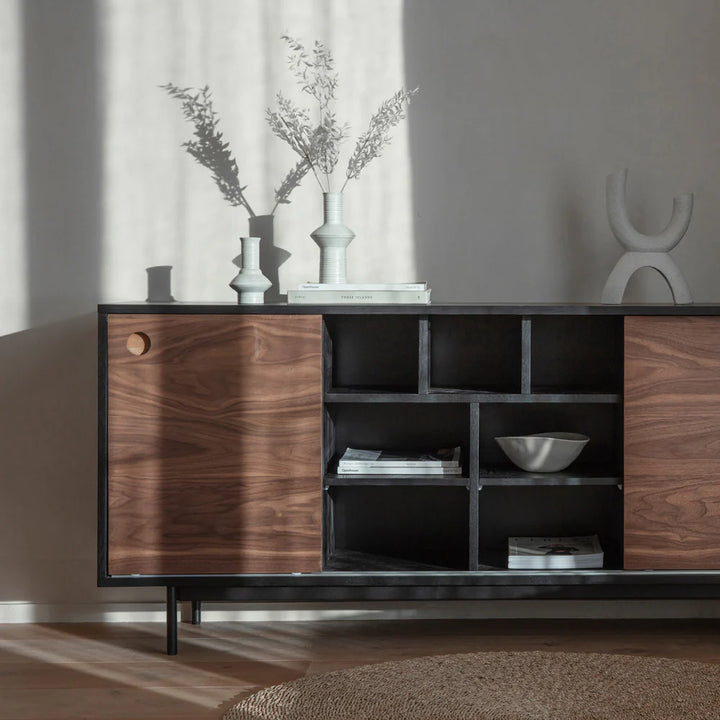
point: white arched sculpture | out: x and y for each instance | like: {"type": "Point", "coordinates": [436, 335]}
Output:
{"type": "Point", "coordinates": [644, 250]}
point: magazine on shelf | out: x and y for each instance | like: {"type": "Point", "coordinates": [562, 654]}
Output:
{"type": "Point", "coordinates": [358, 297]}
{"type": "Point", "coordinates": [363, 286]}
{"type": "Point", "coordinates": [383, 470]}
{"type": "Point", "coordinates": [440, 458]}
{"type": "Point", "coordinates": [554, 553]}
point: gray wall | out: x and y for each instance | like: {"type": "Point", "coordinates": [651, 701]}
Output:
{"type": "Point", "coordinates": [525, 107]}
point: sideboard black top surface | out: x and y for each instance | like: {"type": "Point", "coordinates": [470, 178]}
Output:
{"type": "Point", "coordinates": [396, 309]}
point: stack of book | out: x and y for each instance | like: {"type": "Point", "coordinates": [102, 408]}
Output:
{"type": "Point", "coordinates": [554, 553]}
{"type": "Point", "coordinates": [400, 462]}
{"type": "Point", "coordinates": [412, 293]}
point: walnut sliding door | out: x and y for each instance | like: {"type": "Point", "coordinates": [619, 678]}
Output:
{"type": "Point", "coordinates": [672, 443]}
{"type": "Point", "coordinates": [214, 451]}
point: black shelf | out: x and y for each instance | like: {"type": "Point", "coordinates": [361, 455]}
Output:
{"type": "Point", "coordinates": [578, 394]}
{"type": "Point", "coordinates": [464, 395]}
{"type": "Point", "coordinates": [375, 395]}
{"type": "Point", "coordinates": [496, 559]}
{"type": "Point", "coordinates": [433, 309]}
{"type": "Point", "coordinates": [354, 561]}
{"type": "Point", "coordinates": [511, 476]}
{"type": "Point", "coordinates": [370, 394]}
{"type": "Point", "coordinates": [357, 480]}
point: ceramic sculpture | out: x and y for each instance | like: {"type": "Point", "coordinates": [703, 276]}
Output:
{"type": "Point", "coordinates": [644, 250]}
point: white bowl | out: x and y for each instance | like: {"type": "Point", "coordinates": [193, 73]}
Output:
{"type": "Point", "coordinates": [543, 452]}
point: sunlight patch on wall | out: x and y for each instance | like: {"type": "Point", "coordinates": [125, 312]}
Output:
{"type": "Point", "coordinates": [13, 300]}
{"type": "Point", "coordinates": [161, 208]}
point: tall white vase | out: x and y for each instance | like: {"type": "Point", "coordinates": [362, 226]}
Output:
{"type": "Point", "coordinates": [333, 237]}
{"type": "Point", "coordinates": [250, 284]}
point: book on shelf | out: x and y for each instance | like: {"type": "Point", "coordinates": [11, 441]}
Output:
{"type": "Point", "coordinates": [420, 285]}
{"type": "Point", "coordinates": [554, 553]}
{"type": "Point", "coordinates": [440, 458]}
{"type": "Point", "coordinates": [358, 297]}
{"type": "Point", "coordinates": [383, 470]}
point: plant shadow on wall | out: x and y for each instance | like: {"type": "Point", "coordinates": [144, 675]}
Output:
{"type": "Point", "coordinates": [210, 150]}
{"type": "Point", "coordinates": [316, 143]}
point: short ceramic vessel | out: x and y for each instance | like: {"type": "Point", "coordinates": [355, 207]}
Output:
{"type": "Point", "coordinates": [250, 284]}
{"type": "Point", "coordinates": [543, 452]}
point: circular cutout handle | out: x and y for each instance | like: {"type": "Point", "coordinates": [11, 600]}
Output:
{"type": "Point", "coordinates": [138, 343]}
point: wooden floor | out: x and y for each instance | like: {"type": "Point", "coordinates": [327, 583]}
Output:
{"type": "Point", "coordinates": [114, 671]}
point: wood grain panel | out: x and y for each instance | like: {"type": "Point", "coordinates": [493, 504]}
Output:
{"type": "Point", "coordinates": [214, 456]}
{"type": "Point", "coordinates": [672, 443]}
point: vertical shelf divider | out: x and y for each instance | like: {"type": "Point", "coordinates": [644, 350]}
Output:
{"type": "Point", "coordinates": [526, 361]}
{"type": "Point", "coordinates": [329, 527]}
{"type": "Point", "coordinates": [474, 486]}
{"type": "Point", "coordinates": [328, 439]}
{"type": "Point", "coordinates": [328, 445]}
{"type": "Point", "coordinates": [424, 355]}
{"type": "Point", "coordinates": [327, 358]}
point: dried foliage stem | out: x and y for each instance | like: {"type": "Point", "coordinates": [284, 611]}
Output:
{"type": "Point", "coordinates": [371, 143]}
{"type": "Point", "coordinates": [304, 152]}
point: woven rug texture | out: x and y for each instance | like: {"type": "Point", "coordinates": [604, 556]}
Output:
{"type": "Point", "coordinates": [498, 686]}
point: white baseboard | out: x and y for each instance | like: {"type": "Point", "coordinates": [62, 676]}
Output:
{"type": "Point", "coordinates": [25, 612]}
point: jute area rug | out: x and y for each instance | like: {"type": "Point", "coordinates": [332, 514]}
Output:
{"type": "Point", "coordinates": [498, 686]}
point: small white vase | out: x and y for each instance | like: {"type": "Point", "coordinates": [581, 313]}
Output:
{"type": "Point", "coordinates": [250, 284]}
{"type": "Point", "coordinates": [333, 237]}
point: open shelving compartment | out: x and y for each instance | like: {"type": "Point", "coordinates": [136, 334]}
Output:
{"type": "Point", "coordinates": [397, 522]}
{"type": "Point", "coordinates": [542, 511]}
{"type": "Point", "coordinates": [575, 354]}
{"type": "Point", "coordinates": [420, 382]}
{"type": "Point", "coordinates": [475, 353]}
{"type": "Point", "coordinates": [599, 463]}
{"type": "Point", "coordinates": [393, 527]}
{"type": "Point", "coordinates": [584, 499]}
{"type": "Point", "coordinates": [406, 426]}
{"type": "Point", "coordinates": [371, 353]}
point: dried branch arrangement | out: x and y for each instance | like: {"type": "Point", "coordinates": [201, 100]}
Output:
{"type": "Point", "coordinates": [319, 145]}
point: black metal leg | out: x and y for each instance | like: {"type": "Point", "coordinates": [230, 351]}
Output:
{"type": "Point", "coordinates": [171, 620]}
{"type": "Point", "coordinates": [196, 611]}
